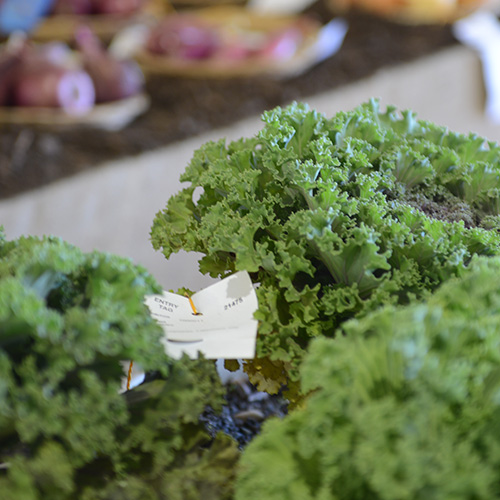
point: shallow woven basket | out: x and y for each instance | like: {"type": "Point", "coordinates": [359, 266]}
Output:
{"type": "Point", "coordinates": [110, 116]}
{"type": "Point", "coordinates": [412, 11]}
{"type": "Point", "coordinates": [305, 57]}
{"type": "Point", "coordinates": [62, 27]}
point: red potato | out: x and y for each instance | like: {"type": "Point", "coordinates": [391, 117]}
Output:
{"type": "Point", "coordinates": [53, 86]}
{"type": "Point", "coordinates": [183, 37]}
{"type": "Point", "coordinates": [113, 79]}
{"type": "Point", "coordinates": [117, 7]}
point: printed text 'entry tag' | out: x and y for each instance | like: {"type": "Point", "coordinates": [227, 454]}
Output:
{"type": "Point", "coordinates": [224, 328]}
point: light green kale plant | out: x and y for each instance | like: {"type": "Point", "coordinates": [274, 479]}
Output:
{"type": "Point", "coordinates": [67, 321]}
{"type": "Point", "coordinates": [403, 405]}
{"type": "Point", "coordinates": [334, 218]}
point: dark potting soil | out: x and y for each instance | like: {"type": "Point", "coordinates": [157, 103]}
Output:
{"type": "Point", "coordinates": [244, 412]}
{"type": "Point", "coordinates": [31, 157]}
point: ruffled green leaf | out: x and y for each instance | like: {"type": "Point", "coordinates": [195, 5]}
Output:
{"type": "Point", "coordinates": [366, 208]}
{"type": "Point", "coordinates": [403, 405]}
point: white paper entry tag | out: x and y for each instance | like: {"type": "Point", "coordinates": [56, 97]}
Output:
{"type": "Point", "coordinates": [225, 327]}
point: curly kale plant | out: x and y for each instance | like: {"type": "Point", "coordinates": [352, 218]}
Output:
{"type": "Point", "coordinates": [334, 218]}
{"type": "Point", "coordinates": [406, 406]}
{"type": "Point", "coordinates": [67, 320]}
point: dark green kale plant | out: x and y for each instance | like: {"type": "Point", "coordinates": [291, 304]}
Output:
{"type": "Point", "coordinates": [67, 321]}
{"type": "Point", "coordinates": [404, 405]}
{"type": "Point", "coordinates": [334, 218]}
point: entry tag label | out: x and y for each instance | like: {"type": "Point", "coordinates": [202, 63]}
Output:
{"type": "Point", "coordinates": [224, 327]}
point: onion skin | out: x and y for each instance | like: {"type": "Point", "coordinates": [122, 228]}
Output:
{"type": "Point", "coordinates": [183, 37]}
{"type": "Point", "coordinates": [113, 79]}
{"type": "Point", "coordinates": [116, 80]}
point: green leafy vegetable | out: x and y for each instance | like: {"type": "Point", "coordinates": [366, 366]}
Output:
{"type": "Point", "coordinates": [405, 406]}
{"type": "Point", "coordinates": [334, 218]}
{"type": "Point", "coordinates": [67, 321]}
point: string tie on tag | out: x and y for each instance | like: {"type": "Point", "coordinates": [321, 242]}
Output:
{"type": "Point", "coordinates": [193, 307]}
{"type": "Point", "coordinates": [129, 376]}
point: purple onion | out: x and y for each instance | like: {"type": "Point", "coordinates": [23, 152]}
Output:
{"type": "Point", "coordinates": [54, 87]}
{"type": "Point", "coordinates": [113, 79]}
{"type": "Point", "coordinates": [183, 37]}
